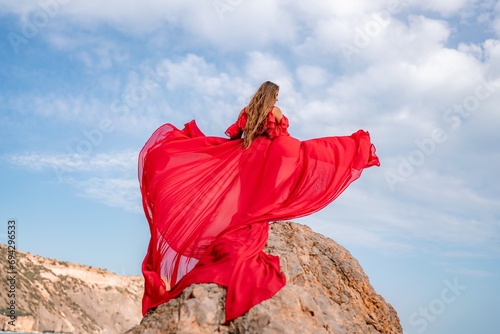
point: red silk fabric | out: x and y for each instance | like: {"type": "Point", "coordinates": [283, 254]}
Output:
{"type": "Point", "coordinates": [209, 201]}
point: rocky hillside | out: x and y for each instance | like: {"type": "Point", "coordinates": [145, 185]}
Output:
{"type": "Point", "coordinates": [326, 292]}
{"type": "Point", "coordinates": [55, 296]}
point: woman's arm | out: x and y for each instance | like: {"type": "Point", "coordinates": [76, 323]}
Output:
{"type": "Point", "coordinates": [241, 112]}
{"type": "Point", "coordinates": [235, 130]}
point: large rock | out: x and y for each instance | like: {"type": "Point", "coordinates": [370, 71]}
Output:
{"type": "Point", "coordinates": [326, 292]}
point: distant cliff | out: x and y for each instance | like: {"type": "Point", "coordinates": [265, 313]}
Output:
{"type": "Point", "coordinates": [56, 296]}
{"type": "Point", "coordinates": [326, 292]}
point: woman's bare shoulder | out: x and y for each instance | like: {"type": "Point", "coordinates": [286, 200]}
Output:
{"type": "Point", "coordinates": [277, 113]}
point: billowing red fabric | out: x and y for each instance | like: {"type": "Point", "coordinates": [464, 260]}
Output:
{"type": "Point", "coordinates": [209, 201]}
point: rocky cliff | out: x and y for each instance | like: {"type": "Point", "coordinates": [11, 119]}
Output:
{"type": "Point", "coordinates": [326, 292]}
{"type": "Point", "coordinates": [56, 296]}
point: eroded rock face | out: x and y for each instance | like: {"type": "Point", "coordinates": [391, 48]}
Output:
{"type": "Point", "coordinates": [326, 292]}
{"type": "Point", "coordinates": [61, 297]}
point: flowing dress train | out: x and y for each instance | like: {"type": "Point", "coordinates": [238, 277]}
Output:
{"type": "Point", "coordinates": [208, 202]}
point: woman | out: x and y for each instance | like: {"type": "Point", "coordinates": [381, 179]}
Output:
{"type": "Point", "coordinates": [209, 200]}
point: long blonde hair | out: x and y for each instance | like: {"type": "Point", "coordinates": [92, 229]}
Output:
{"type": "Point", "coordinates": [258, 108]}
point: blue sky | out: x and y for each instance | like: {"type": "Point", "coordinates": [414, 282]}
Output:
{"type": "Point", "coordinates": [84, 84]}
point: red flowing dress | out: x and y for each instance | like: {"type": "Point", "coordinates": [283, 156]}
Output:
{"type": "Point", "coordinates": [209, 203]}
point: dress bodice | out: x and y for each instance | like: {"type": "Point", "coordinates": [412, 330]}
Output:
{"type": "Point", "coordinates": [272, 128]}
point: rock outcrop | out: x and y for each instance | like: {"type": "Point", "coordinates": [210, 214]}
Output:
{"type": "Point", "coordinates": [62, 297]}
{"type": "Point", "coordinates": [326, 292]}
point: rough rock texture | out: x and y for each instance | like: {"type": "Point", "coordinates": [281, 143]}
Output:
{"type": "Point", "coordinates": [57, 296]}
{"type": "Point", "coordinates": [326, 292]}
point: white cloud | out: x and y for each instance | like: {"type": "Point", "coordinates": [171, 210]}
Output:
{"type": "Point", "coordinates": [445, 7]}
{"type": "Point", "coordinates": [109, 178]}
{"type": "Point", "coordinates": [96, 53]}
{"type": "Point", "coordinates": [473, 50]}
{"type": "Point", "coordinates": [441, 207]}
{"type": "Point", "coordinates": [229, 25]}
{"type": "Point", "coordinates": [262, 66]}
{"type": "Point", "coordinates": [195, 74]}
{"type": "Point", "coordinates": [312, 76]}
{"type": "Point", "coordinates": [354, 235]}
{"type": "Point", "coordinates": [75, 162]}
{"type": "Point", "coordinates": [492, 54]}
{"type": "Point", "coordinates": [496, 20]}
{"type": "Point", "coordinates": [463, 254]}
{"type": "Point", "coordinates": [115, 192]}
{"type": "Point", "coordinates": [71, 106]}
{"type": "Point", "coordinates": [471, 272]}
